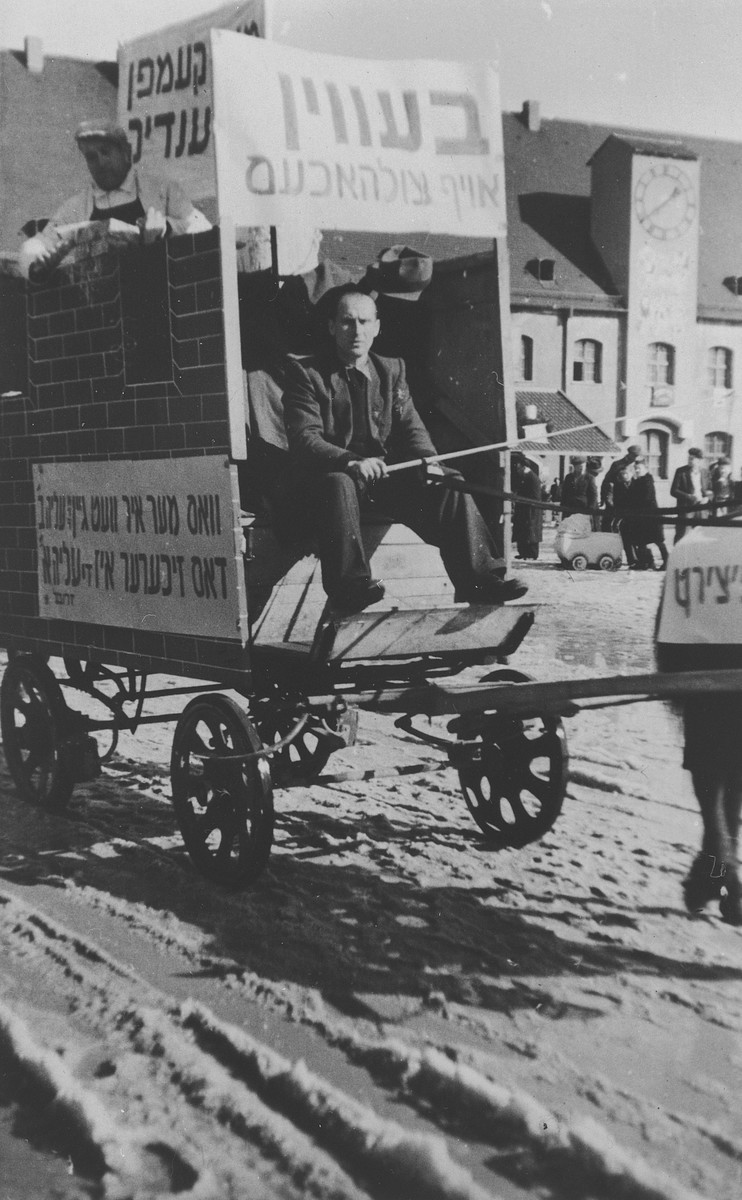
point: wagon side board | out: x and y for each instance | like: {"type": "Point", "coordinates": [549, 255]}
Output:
{"type": "Point", "coordinates": [125, 364]}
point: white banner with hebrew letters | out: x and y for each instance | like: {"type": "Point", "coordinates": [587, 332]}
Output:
{"type": "Point", "coordinates": [165, 94]}
{"type": "Point", "coordinates": [348, 143]}
{"type": "Point", "coordinates": [703, 589]}
{"type": "Point", "coordinates": [150, 544]}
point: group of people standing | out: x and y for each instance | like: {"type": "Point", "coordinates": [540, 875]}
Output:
{"type": "Point", "coordinates": [630, 507]}
{"type": "Point", "coordinates": [626, 501]}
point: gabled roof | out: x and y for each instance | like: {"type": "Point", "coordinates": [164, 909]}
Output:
{"type": "Point", "coordinates": [557, 411]}
{"type": "Point", "coordinates": [39, 164]}
{"type": "Point", "coordinates": [654, 146]}
{"type": "Point", "coordinates": [547, 176]}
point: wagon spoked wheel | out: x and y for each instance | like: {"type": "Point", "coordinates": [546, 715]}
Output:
{"type": "Point", "coordinates": [514, 778]}
{"type": "Point", "coordinates": [304, 758]}
{"type": "Point", "coordinates": [223, 801]}
{"type": "Point", "coordinates": [34, 722]}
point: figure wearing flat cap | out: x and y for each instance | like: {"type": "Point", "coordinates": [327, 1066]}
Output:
{"type": "Point", "coordinates": [579, 489]}
{"type": "Point", "coordinates": [116, 190]}
{"type": "Point", "coordinates": [348, 415]}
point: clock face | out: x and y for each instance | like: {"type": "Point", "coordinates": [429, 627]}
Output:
{"type": "Point", "coordinates": [665, 201]}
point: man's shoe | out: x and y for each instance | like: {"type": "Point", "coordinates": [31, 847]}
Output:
{"type": "Point", "coordinates": [357, 596]}
{"type": "Point", "coordinates": [493, 591]}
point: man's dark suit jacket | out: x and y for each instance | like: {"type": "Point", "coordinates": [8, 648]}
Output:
{"type": "Point", "coordinates": [318, 414]}
{"type": "Point", "coordinates": [682, 486]}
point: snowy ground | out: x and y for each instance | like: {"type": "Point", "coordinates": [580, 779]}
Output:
{"type": "Point", "coordinates": [394, 1011]}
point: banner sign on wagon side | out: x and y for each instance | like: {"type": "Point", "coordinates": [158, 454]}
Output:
{"type": "Point", "coordinates": [357, 144]}
{"type": "Point", "coordinates": [152, 545]}
{"type": "Point", "coordinates": [165, 94]}
{"type": "Point", "coordinates": [703, 589]}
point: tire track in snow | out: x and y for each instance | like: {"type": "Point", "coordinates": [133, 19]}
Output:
{"type": "Point", "coordinates": [579, 1154]}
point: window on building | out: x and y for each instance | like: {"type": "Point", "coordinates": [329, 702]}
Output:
{"type": "Point", "coordinates": [719, 367]}
{"type": "Point", "coordinates": [525, 366]}
{"type": "Point", "coordinates": [656, 443]}
{"type": "Point", "coordinates": [717, 443]}
{"type": "Point", "coordinates": [661, 364]}
{"type": "Point", "coordinates": [587, 365]}
{"type": "Point", "coordinates": [546, 268]}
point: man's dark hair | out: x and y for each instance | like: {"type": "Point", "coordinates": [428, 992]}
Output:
{"type": "Point", "coordinates": [331, 300]}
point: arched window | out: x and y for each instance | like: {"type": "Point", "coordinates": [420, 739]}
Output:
{"type": "Point", "coordinates": [719, 367]}
{"type": "Point", "coordinates": [587, 366]}
{"type": "Point", "coordinates": [717, 443]}
{"type": "Point", "coordinates": [656, 443]}
{"type": "Point", "coordinates": [525, 366]}
{"type": "Point", "coordinates": [660, 364]}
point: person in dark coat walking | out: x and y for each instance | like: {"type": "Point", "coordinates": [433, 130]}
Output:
{"type": "Point", "coordinates": [722, 485]}
{"type": "Point", "coordinates": [691, 486]}
{"type": "Point", "coordinates": [579, 490]}
{"type": "Point", "coordinates": [646, 528]}
{"type": "Point", "coordinates": [622, 509]}
{"type": "Point", "coordinates": [607, 486]}
{"type": "Point", "coordinates": [527, 518]}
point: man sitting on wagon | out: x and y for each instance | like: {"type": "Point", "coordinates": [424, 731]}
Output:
{"type": "Point", "coordinates": [116, 190]}
{"type": "Point", "coordinates": [349, 415]}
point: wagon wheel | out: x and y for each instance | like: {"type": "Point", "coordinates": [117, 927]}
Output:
{"type": "Point", "coordinates": [578, 562]}
{"type": "Point", "coordinates": [34, 720]}
{"type": "Point", "coordinates": [304, 758]}
{"type": "Point", "coordinates": [607, 562]}
{"type": "Point", "coordinates": [223, 802]}
{"type": "Point", "coordinates": [514, 777]}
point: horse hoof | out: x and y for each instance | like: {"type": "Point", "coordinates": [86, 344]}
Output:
{"type": "Point", "coordinates": [698, 889]}
{"type": "Point", "coordinates": [731, 909]}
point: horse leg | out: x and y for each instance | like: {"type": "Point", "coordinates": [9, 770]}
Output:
{"type": "Point", "coordinates": [705, 878]}
{"type": "Point", "coordinates": [731, 903]}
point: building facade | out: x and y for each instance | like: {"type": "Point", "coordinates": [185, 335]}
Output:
{"type": "Point", "coordinates": [624, 258]}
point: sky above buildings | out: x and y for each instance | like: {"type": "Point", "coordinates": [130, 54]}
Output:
{"type": "Point", "coordinates": [670, 65]}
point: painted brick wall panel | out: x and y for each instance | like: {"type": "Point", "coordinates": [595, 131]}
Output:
{"type": "Point", "coordinates": [208, 434]}
{"type": "Point", "coordinates": [82, 408]}
{"type": "Point", "coordinates": [49, 347]}
{"type": "Point", "coordinates": [151, 411]}
{"type": "Point", "coordinates": [197, 380]}
{"type": "Point", "coordinates": [203, 324]}
{"type": "Point", "coordinates": [184, 299]}
{"type": "Point", "coordinates": [66, 418]}
{"type": "Point", "coordinates": [109, 442]}
{"type": "Point", "coordinates": [61, 322]}
{"type": "Point", "coordinates": [209, 295]}
{"type": "Point", "coordinates": [76, 343]}
{"type": "Point", "coordinates": [170, 437]}
{"type": "Point", "coordinates": [78, 391]}
{"type": "Point", "coordinates": [185, 354]}
{"type": "Point", "coordinates": [64, 368]}
{"type": "Point", "coordinates": [195, 269]}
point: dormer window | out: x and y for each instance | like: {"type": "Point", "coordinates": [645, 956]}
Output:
{"type": "Point", "coordinates": [545, 270]}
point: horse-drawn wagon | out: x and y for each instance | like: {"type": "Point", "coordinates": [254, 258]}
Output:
{"type": "Point", "coordinates": [143, 425]}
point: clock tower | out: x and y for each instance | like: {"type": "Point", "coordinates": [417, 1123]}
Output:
{"type": "Point", "coordinates": [645, 223]}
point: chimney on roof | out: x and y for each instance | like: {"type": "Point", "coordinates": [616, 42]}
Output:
{"type": "Point", "coordinates": [532, 115]}
{"type": "Point", "coordinates": [34, 48]}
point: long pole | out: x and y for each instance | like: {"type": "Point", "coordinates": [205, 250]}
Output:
{"type": "Point", "coordinates": [433, 458]}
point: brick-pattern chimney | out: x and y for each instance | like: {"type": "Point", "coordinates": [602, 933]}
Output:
{"type": "Point", "coordinates": [34, 48]}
